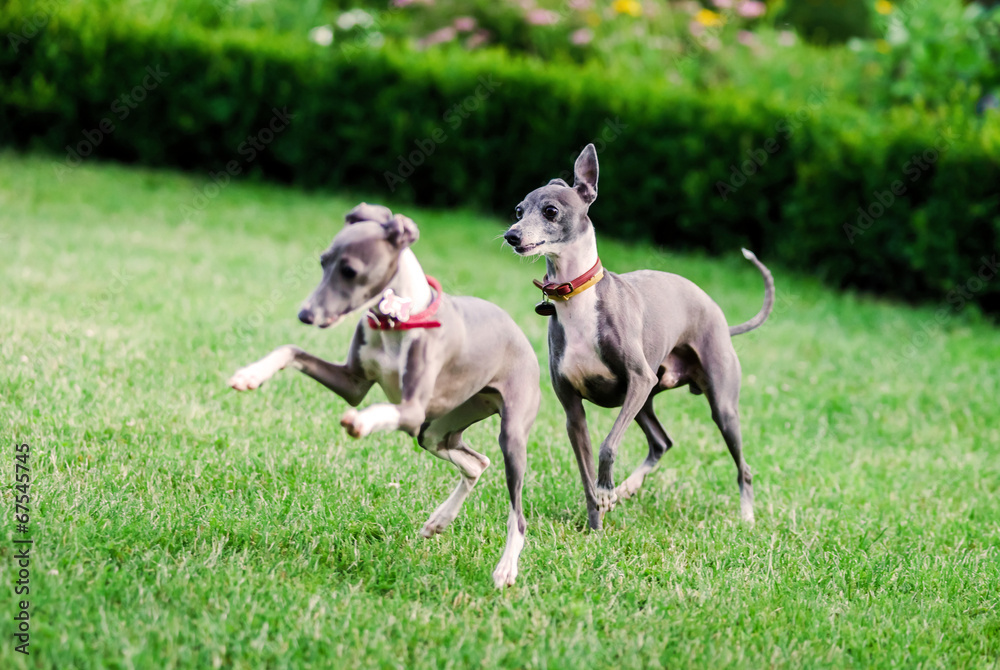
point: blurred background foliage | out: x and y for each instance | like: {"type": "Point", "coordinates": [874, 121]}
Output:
{"type": "Point", "coordinates": [681, 95]}
{"type": "Point", "coordinates": [872, 53]}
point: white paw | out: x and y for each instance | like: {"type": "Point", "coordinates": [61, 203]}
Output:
{"type": "Point", "coordinates": [506, 572]}
{"type": "Point", "coordinates": [354, 423]}
{"type": "Point", "coordinates": [625, 490]}
{"type": "Point", "coordinates": [435, 525]}
{"type": "Point", "coordinates": [746, 513]}
{"type": "Point", "coordinates": [250, 377]}
{"type": "Point", "coordinates": [606, 499]}
{"type": "Point", "coordinates": [440, 519]}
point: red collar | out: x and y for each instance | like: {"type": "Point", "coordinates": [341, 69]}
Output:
{"type": "Point", "coordinates": [567, 290]}
{"type": "Point", "coordinates": [420, 320]}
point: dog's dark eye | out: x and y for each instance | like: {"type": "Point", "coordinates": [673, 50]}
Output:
{"type": "Point", "coordinates": [347, 272]}
{"type": "Point", "coordinates": [519, 212]}
{"type": "Point", "coordinates": [550, 212]}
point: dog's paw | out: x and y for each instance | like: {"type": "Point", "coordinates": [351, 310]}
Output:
{"type": "Point", "coordinates": [354, 423]}
{"type": "Point", "coordinates": [370, 420]}
{"type": "Point", "coordinates": [434, 526]}
{"type": "Point", "coordinates": [506, 572]}
{"type": "Point", "coordinates": [606, 499]}
{"type": "Point", "coordinates": [250, 377]}
{"type": "Point", "coordinates": [629, 487]}
{"type": "Point", "coordinates": [440, 519]}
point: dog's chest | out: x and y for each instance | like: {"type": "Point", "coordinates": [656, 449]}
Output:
{"type": "Point", "coordinates": [581, 359]}
{"type": "Point", "coordinates": [381, 361]}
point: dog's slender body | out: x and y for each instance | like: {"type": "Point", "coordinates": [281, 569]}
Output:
{"type": "Point", "coordinates": [626, 339]}
{"type": "Point", "coordinates": [440, 380]}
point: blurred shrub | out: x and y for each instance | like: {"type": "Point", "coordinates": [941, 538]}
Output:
{"type": "Point", "coordinates": [540, 32]}
{"type": "Point", "coordinates": [828, 21]}
{"type": "Point", "coordinates": [934, 53]}
{"type": "Point", "coordinates": [808, 184]}
{"type": "Point", "coordinates": [925, 52]}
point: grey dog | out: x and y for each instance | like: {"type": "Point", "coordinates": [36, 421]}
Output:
{"type": "Point", "coordinates": [445, 362]}
{"type": "Point", "coordinates": [618, 340]}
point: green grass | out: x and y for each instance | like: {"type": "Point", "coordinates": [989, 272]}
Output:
{"type": "Point", "coordinates": [179, 524]}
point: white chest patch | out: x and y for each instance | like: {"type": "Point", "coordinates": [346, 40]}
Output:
{"type": "Point", "coordinates": [381, 360]}
{"type": "Point", "coordinates": [581, 359]}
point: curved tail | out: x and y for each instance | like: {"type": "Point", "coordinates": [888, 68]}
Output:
{"type": "Point", "coordinates": [765, 310]}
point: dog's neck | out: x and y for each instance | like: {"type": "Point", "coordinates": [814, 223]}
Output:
{"type": "Point", "coordinates": [574, 259]}
{"type": "Point", "coordinates": [411, 282]}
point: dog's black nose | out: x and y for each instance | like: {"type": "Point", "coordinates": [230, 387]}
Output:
{"type": "Point", "coordinates": [306, 316]}
{"type": "Point", "coordinates": [513, 238]}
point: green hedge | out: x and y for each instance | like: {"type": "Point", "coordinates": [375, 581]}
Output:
{"type": "Point", "coordinates": [668, 150]}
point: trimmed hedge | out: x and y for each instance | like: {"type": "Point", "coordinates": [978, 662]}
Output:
{"type": "Point", "coordinates": [485, 128]}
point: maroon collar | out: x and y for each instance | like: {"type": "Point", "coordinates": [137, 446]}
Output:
{"type": "Point", "coordinates": [564, 289]}
{"type": "Point", "coordinates": [419, 320]}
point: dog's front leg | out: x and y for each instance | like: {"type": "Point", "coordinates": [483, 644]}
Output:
{"type": "Point", "coordinates": [344, 380]}
{"type": "Point", "coordinates": [418, 379]}
{"type": "Point", "coordinates": [640, 383]}
{"type": "Point", "coordinates": [579, 439]}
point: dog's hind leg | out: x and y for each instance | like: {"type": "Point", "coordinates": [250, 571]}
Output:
{"type": "Point", "coordinates": [516, 416]}
{"type": "Point", "coordinates": [659, 443]}
{"type": "Point", "coordinates": [443, 438]}
{"type": "Point", "coordinates": [723, 393]}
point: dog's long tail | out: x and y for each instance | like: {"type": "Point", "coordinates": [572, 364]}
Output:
{"type": "Point", "coordinates": [765, 310]}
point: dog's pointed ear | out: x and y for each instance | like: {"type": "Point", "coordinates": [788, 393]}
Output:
{"type": "Point", "coordinates": [400, 231]}
{"type": "Point", "coordinates": [366, 212]}
{"type": "Point", "coordinates": [557, 182]}
{"type": "Point", "coordinates": [585, 174]}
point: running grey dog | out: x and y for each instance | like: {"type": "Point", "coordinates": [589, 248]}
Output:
{"type": "Point", "coordinates": [445, 362]}
{"type": "Point", "coordinates": [631, 337]}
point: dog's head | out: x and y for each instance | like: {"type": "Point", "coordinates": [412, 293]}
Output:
{"type": "Point", "coordinates": [360, 263]}
{"type": "Point", "coordinates": [554, 215]}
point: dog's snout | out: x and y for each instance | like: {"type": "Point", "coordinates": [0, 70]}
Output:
{"type": "Point", "coordinates": [513, 238]}
{"type": "Point", "coordinates": [306, 315]}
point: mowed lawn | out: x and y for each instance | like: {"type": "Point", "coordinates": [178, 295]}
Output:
{"type": "Point", "coordinates": [179, 524]}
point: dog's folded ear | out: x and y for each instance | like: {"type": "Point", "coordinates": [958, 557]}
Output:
{"type": "Point", "coordinates": [585, 174]}
{"type": "Point", "coordinates": [400, 231]}
{"type": "Point", "coordinates": [366, 212]}
{"type": "Point", "coordinates": [557, 182]}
